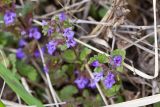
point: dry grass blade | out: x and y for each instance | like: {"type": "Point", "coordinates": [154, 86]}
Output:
{"type": "Point", "coordinates": [53, 93]}
{"type": "Point", "coordinates": [66, 8]}
{"type": "Point", "coordinates": [155, 40]}
{"type": "Point", "coordinates": [138, 102]}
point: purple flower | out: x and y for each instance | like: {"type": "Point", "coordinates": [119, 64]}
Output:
{"type": "Point", "coordinates": [62, 17]}
{"type": "Point", "coordinates": [50, 31]}
{"type": "Point", "coordinates": [81, 82]}
{"type": "Point", "coordinates": [51, 46]}
{"type": "Point", "coordinates": [9, 17]}
{"type": "Point", "coordinates": [117, 60]}
{"type": "Point", "coordinates": [76, 72]}
{"type": "Point", "coordinates": [44, 23]}
{"type": "Point", "coordinates": [20, 54]}
{"type": "Point", "coordinates": [92, 84]}
{"type": "Point", "coordinates": [70, 43]}
{"type": "Point", "coordinates": [68, 33]}
{"type": "Point", "coordinates": [109, 80]}
{"type": "Point", "coordinates": [23, 33]}
{"type": "Point", "coordinates": [33, 32]}
{"type": "Point", "coordinates": [95, 63]}
{"type": "Point", "coordinates": [37, 53]}
{"type": "Point", "coordinates": [45, 69]}
{"type": "Point", "coordinates": [22, 43]}
{"type": "Point", "coordinates": [98, 76]}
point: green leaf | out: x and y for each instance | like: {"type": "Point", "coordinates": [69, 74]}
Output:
{"type": "Point", "coordinates": [101, 12]}
{"type": "Point", "coordinates": [119, 52]}
{"type": "Point", "coordinates": [1, 104]}
{"type": "Point", "coordinates": [67, 24]}
{"type": "Point", "coordinates": [16, 86]}
{"type": "Point", "coordinates": [4, 60]}
{"type": "Point", "coordinates": [156, 104]}
{"type": "Point", "coordinates": [93, 11]}
{"type": "Point", "coordinates": [119, 99]}
{"type": "Point", "coordinates": [84, 53]}
{"type": "Point", "coordinates": [7, 1]}
{"type": "Point", "coordinates": [27, 70]}
{"type": "Point", "coordinates": [120, 68]}
{"type": "Point", "coordinates": [6, 38]}
{"type": "Point", "coordinates": [45, 30]}
{"type": "Point", "coordinates": [85, 93]}
{"type": "Point", "coordinates": [102, 58]}
{"type": "Point", "coordinates": [112, 91]}
{"type": "Point", "coordinates": [64, 68]}
{"type": "Point", "coordinates": [98, 69]}
{"type": "Point", "coordinates": [62, 47]}
{"type": "Point", "coordinates": [69, 56]}
{"type": "Point", "coordinates": [68, 91]}
{"type": "Point", "coordinates": [12, 58]}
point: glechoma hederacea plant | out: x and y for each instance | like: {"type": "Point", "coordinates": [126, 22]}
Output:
{"type": "Point", "coordinates": [64, 57]}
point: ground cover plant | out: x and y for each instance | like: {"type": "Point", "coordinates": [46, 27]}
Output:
{"type": "Point", "coordinates": [71, 53]}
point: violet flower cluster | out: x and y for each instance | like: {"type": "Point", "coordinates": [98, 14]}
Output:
{"type": "Point", "coordinates": [33, 33]}
{"type": "Point", "coordinates": [61, 35]}
{"type": "Point", "coordinates": [116, 60]}
{"type": "Point", "coordinates": [69, 34]}
{"type": "Point", "coordinates": [9, 17]}
{"type": "Point", "coordinates": [109, 80]}
{"type": "Point", "coordinates": [81, 82]}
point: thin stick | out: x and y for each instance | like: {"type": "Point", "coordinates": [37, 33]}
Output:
{"type": "Point", "coordinates": [138, 40]}
{"type": "Point", "coordinates": [48, 78]}
{"type": "Point", "coordinates": [138, 102]}
{"type": "Point", "coordinates": [110, 24]}
{"type": "Point", "coordinates": [66, 8]}
{"type": "Point", "coordinates": [138, 45]}
{"type": "Point", "coordinates": [97, 85]}
{"type": "Point", "coordinates": [24, 83]}
{"type": "Point", "coordinates": [155, 40]}
{"type": "Point", "coordinates": [4, 84]}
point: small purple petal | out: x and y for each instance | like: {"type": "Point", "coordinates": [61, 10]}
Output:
{"type": "Point", "coordinates": [23, 33]}
{"type": "Point", "coordinates": [22, 43]}
{"type": "Point", "coordinates": [34, 33]}
{"type": "Point", "coordinates": [76, 72]}
{"type": "Point", "coordinates": [9, 17]}
{"type": "Point", "coordinates": [20, 54]}
{"type": "Point", "coordinates": [70, 43]}
{"type": "Point", "coordinates": [37, 53]}
{"type": "Point", "coordinates": [50, 31]}
{"type": "Point", "coordinates": [81, 82]}
{"type": "Point", "coordinates": [44, 23]}
{"type": "Point", "coordinates": [68, 33]}
{"type": "Point", "coordinates": [98, 76]}
{"type": "Point", "coordinates": [51, 46]}
{"type": "Point", "coordinates": [45, 69]}
{"type": "Point", "coordinates": [109, 80]}
{"type": "Point", "coordinates": [117, 60]}
{"type": "Point", "coordinates": [92, 84]}
{"type": "Point", "coordinates": [95, 63]}
{"type": "Point", "coordinates": [62, 17]}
